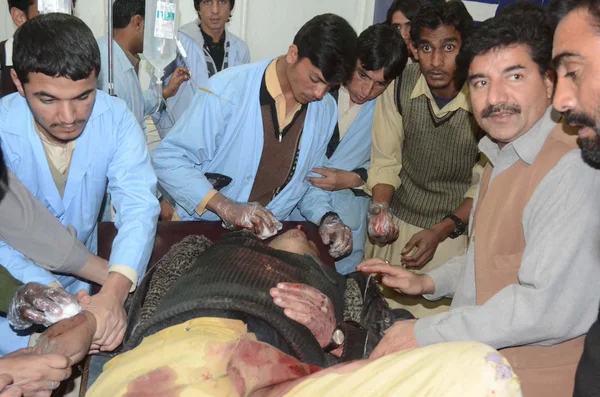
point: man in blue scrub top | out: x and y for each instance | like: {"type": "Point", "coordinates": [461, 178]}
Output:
{"type": "Point", "coordinates": [128, 43]}
{"type": "Point", "coordinates": [66, 141]}
{"type": "Point", "coordinates": [262, 128]}
{"type": "Point", "coordinates": [210, 48]}
{"type": "Point", "coordinates": [382, 56]}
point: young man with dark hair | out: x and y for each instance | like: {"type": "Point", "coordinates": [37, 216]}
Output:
{"type": "Point", "coordinates": [210, 48]}
{"type": "Point", "coordinates": [382, 57]}
{"type": "Point", "coordinates": [65, 140]}
{"type": "Point", "coordinates": [576, 57]}
{"type": "Point", "coordinates": [399, 15]}
{"type": "Point", "coordinates": [128, 29]}
{"type": "Point", "coordinates": [21, 11]}
{"type": "Point", "coordinates": [263, 128]}
{"type": "Point", "coordinates": [533, 220]}
{"type": "Point", "coordinates": [422, 177]}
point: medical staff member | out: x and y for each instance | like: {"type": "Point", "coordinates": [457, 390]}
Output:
{"type": "Point", "coordinates": [65, 141]}
{"type": "Point", "coordinates": [210, 48]}
{"type": "Point", "coordinates": [382, 56]}
{"type": "Point", "coordinates": [265, 126]}
{"type": "Point", "coordinates": [128, 43]}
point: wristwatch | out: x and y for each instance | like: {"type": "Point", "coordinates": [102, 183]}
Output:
{"type": "Point", "coordinates": [337, 339]}
{"type": "Point", "coordinates": [460, 228]}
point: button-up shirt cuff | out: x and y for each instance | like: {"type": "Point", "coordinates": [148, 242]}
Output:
{"type": "Point", "coordinates": [128, 272]}
{"type": "Point", "coordinates": [381, 178]}
{"type": "Point", "coordinates": [201, 208]}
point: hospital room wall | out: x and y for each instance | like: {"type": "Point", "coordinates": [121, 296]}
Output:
{"type": "Point", "coordinates": [268, 26]}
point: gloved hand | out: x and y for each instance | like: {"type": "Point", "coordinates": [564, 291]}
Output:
{"type": "Point", "coordinates": [251, 216]}
{"type": "Point", "coordinates": [35, 303]}
{"type": "Point", "coordinates": [381, 227]}
{"type": "Point", "coordinates": [334, 232]}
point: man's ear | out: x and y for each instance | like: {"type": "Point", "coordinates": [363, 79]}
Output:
{"type": "Point", "coordinates": [138, 22]}
{"type": "Point", "coordinates": [18, 17]}
{"type": "Point", "coordinates": [17, 82]}
{"type": "Point", "coordinates": [413, 48]}
{"type": "Point", "coordinates": [292, 55]}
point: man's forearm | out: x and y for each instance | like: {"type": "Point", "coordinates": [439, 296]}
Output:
{"type": "Point", "coordinates": [215, 202]}
{"type": "Point", "coordinates": [446, 226]}
{"type": "Point", "coordinates": [30, 228]}
{"type": "Point", "coordinates": [118, 285]}
{"type": "Point", "coordinates": [94, 270]}
{"type": "Point", "coordinates": [382, 193]}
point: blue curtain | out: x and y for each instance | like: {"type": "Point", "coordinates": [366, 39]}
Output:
{"type": "Point", "coordinates": [381, 7]}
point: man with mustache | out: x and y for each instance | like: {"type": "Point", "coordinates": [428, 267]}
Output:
{"type": "Point", "coordinates": [528, 284]}
{"type": "Point", "coordinates": [423, 154]}
{"type": "Point", "coordinates": [576, 55]}
{"type": "Point", "coordinates": [66, 142]}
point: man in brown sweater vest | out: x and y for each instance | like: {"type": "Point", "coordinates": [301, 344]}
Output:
{"type": "Point", "coordinates": [577, 96]}
{"type": "Point", "coordinates": [264, 126]}
{"type": "Point", "coordinates": [529, 282]}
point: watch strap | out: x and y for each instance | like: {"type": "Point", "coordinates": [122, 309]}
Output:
{"type": "Point", "coordinates": [459, 229]}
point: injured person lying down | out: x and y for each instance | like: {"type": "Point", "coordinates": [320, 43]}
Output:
{"type": "Point", "coordinates": [238, 318]}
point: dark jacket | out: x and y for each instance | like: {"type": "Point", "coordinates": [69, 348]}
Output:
{"type": "Point", "coordinates": [587, 378]}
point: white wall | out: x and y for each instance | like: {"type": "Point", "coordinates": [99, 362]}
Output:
{"type": "Point", "coordinates": [272, 24]}
{"type": "Point", "coordinates": [268, 26]}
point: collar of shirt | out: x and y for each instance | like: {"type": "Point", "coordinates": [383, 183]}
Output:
{"type": "Point", "coordinates": [347, 111]}
{"type": "Point", "coordinates": [59, 155]}
{"type": "Point", "coordinates": [526, 147]}
{"type": "Point", "coordinates": [274, 89]}
{"type": "Point", "coordinates": [134, 59]}
{"type": "Point", "coordinates": [8, 51]}
{"type": "Point", "coordinates": [461, 101]}
{"type": "Point", "coordinates": [208, 40]}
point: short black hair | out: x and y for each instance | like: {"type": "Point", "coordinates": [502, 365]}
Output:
{"type": "Point", "coordinates": [124, 10]}
{"type": "Point", "coordinates": [381, 46]}
{"type": "Point", "coordinates": [560, 8]}
{"type": "Point", "coordinates": [197, 4]}
{"type": "Point", "coordinates": [436, 13]}
{"type": "Point", "coordinates": [522, 23]}
{"type": "Point", "coordinates": [407, 7]}
{"type": "Point", "coordinates": [24, 5]}
{"type": "Point", "coordinates": [329, 42]}
{"type": "Point", "coordinates": [58, 45]}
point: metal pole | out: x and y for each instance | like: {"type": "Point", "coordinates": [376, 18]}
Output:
{"type": "Point", "coordinates": [111, 84]}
